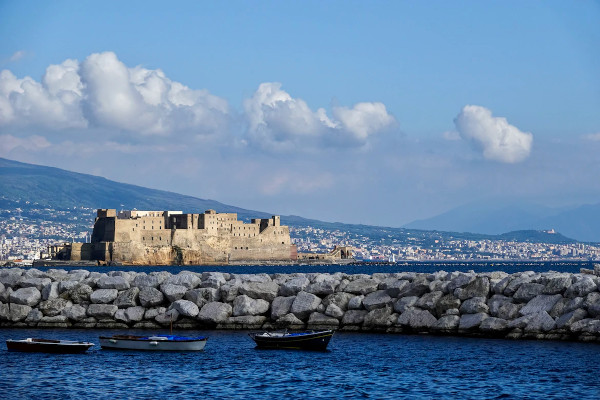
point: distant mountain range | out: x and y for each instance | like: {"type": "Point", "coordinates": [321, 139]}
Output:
{"type": "Point", "coordinates": [61, 189]}
{"type": "Point", "coordinates": [581, 223]}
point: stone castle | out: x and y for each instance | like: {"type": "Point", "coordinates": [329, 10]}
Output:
{"type": "Point", "coordinates": [172, 237]}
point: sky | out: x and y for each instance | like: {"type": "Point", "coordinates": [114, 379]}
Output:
{"type": "Point", "coordinates": [364, 112]}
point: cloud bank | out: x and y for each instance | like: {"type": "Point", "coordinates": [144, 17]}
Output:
{"type": "Point", "coordinates": [277, 121]}
{"type": "Point", "coordinates": [498, 140]}
{"type": "Point", "coordinates": [103, 92]}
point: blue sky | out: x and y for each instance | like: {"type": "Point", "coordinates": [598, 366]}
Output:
{"type": "Point", "coordinates": [394, 141]}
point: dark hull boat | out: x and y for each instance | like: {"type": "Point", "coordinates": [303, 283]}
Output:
{"type": "Point", "coordinates": [153, 343]}
{"type": "Point", "coordinates": [311, 340]}
{"type": "Point", "coordinates": [48, 346]}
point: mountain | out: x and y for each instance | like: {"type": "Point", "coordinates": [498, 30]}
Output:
{"type": "Point", "coordinates": [48, 186]}
{"type": "Point", "coordinates": [37, 186]}
{"type": "Point", "coordinates": [581, 222]}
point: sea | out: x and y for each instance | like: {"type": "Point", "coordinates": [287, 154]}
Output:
{"type": "Point", "coordinates": [356, 365]}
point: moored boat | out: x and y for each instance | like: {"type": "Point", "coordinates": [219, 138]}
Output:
{"type": "Point", "coordinates": [32, 345]}
{"type": "Point", "coordinates": [153, 343]}
{"type": "Point", "coordinates": [309, 340]}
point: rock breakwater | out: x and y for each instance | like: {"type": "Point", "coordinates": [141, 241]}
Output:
{"type": "Point", "coordinates": [547, 305]}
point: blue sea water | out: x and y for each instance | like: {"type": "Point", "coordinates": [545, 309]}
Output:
{"type": "Point", "coordinates": [376, 366]}
{"type": "Point", "coordinates": [362, 268]}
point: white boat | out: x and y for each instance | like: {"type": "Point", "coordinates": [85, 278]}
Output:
{"type": "Point", "coordinates": [153, 343]}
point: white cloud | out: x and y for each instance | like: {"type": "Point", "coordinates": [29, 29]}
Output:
{"type": "Point", "coordinates": [278, 121]}
{"type": "Point", "coordinates": [498, 140]}
{"type": "Point", "coordinates": [592, 137]}
{"type": "Point", "coordinates": [17, 55]}
{"type": "Point", "coordinates": [103, 92]}
{"type": "Point", "coordinates": [451, 135]}
{"type": "Point", "coordinates": [9, 143]}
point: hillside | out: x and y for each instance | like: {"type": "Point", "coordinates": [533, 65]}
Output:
{"type": "Point", "coordinates": [59, 189]}
{"type": "Point", "coordinates": [581, 223]}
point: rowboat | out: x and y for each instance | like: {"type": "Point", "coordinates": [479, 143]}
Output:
{"type": "Point", "coordinates": [32, 345]}
{"type": "Point", "coordinates": [153, 343]}
{"type": "Point", "coordinates": [309, 340]}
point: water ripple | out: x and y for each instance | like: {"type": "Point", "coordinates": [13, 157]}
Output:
{"type": "Point", "coordinates": [357, 366]}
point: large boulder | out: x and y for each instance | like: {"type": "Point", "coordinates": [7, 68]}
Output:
{"type": "Point", "coordinates": [377, 299]}
{"type": "Point", "coordinates": [203, 295]}
{"type": "Point", "coordinates": [566, 320]}
{"type": "Point", "coordinates": [75, 312]}
{"type": "Point", "coordinates": [446, 302]}
{"type": "Point", "coordinates": [128, 298]}
{"type": "Point", "coordinates": [244, 305]}
{"type": "Point", "coordinates": [509, 311]}
{"type": "Point", "coordinates": [113, 282]}
{"type": "Point", "coordinates": [143, 280]}
{"type": "Point", "coordinates": [471, 321]}
{"type": "Point", "coordinates": [212, 280]}
{"type": "Point", "coordinates": [542, 302]}
{"type": "Point", "coordinates": [28, 296]}
{"type": "Point", "coordinates": [474, 305]}
{"type": "Point", "coordinates": [150, 297]}
{"type": "Point", "coordinates": [557, 284]}
{"type": "Point", "coordinates": [104, 296]}
{"type": "Point", "coordinates": [37, 283]}
{"type": "Point", "coordinates": [362, 286]}
{"type": "Point", "coordinates": [260, 290]}
{"type": "Point", "coordinates": [187, 279]}
{"type": "Point", "coordinates": [53, 307]}
{"type": "Point", "coordinates": [50, 291]}
{"type": "Point", "coordinates": [415, 318]}
{"type": "Point", "coordinates": [446, 323]}
{"type": "Point", "coordinates": [429, 300]}
{"type": "Point", "coordinates": [317, 319]}
{"type": "Point", "coordinates": [416, 288]}
{"type": "Point", "coordinates": [581, 287]}
{"type": "Point", "coordinates": [80, 293]}
{"type": "Point", "coordinates": [323, 288]}
{"type": "Point", "coordinates": [339, 299]}
{"type": "Point", "coordinates": [493, 325]}
{"type": "Point", "coordinates": [334, 311]}
{"type": "Point", "coordinates": [478, 287]}
{"type": "Point", "coordinates": [186, 308]}
{"type": "Point", "coordinates": [64, 286]}
{"type": "Point", "coordinates": [460, 281]}
{"type": "Point", "coordinates": [281, 306]}
{"type": "Point", "coordinates": [394, 287]}
{"type": "Point", "coordinates": [215, 312]}
{"type": "Point", "coordinates": [304, 304]}
{"type": "Point", "coordinates": [380, 317]}
{"type": "Point", "coordinates": [497, 301]}
{"type": "Point", "coordinates": [173, 292]}
{"type": "Point", "coordinates": [18, 312]}
{"type": "Point", "coordinates": [405, 303]}
{"type": "Point", "coordinates": [354, 317]}
{"type": "Point", "coordinates": [355, 303]}
{"type": "Point", "coordinates": [102, 311]}
{"type": "Point", "coordinates": [528, 291]}
{"type": "Point", "coordinates": [294, 286]}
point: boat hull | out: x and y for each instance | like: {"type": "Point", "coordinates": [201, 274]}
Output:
{"type": "Point", "coordinates": [115, 343]}
{"type": "Point", "coordinates": [48, 346]}
{"type": "Point", "coordinates": [309, 341]}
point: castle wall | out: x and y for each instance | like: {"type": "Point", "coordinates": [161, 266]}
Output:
{"type": "Point", "coordinates": [166, 237]}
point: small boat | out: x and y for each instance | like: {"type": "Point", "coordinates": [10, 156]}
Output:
{"type": "Point", "coordinates": [153, 343]}
{"type": "Point", "coordinates": [48, 346]}
{"type": "Point", "coordinates": [309, 340]}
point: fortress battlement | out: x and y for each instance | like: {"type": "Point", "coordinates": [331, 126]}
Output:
{"type": "Point", "coordinates": [172, 237]}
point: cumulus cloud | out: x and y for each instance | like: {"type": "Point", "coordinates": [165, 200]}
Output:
{"type": "Point", "coordinates": [103, 92]}
{"type": "Point", "coordinates": [498, 140]}
{"type": "Point", "coordinates": [280, 122]}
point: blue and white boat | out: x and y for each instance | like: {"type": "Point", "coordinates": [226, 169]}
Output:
{"type": "Point", "coordinates": [153, 343]}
